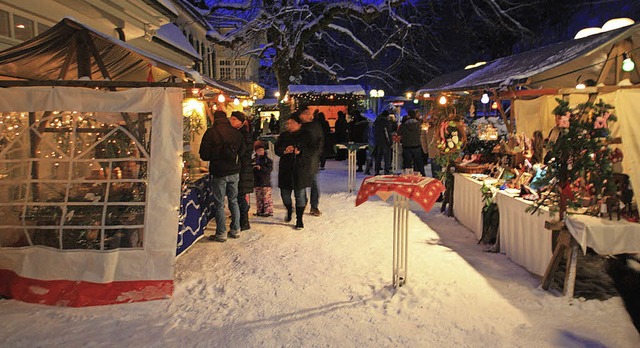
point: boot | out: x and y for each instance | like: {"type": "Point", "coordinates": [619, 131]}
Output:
{"type": "Point", "coordinates": [289, 213]}
{"type": "Point", "coordinates": [244, 222]}
{"type": "Point", "coordinates": [299, 214]}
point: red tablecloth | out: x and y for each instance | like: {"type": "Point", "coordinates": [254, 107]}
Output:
{"type": "Point", "coordinates": [425, 191]}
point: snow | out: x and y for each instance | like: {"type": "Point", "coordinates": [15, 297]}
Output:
{"type": "Point", "coordinates": [171, 34]}
{"type": "Point", "coordinates": [330, 285]}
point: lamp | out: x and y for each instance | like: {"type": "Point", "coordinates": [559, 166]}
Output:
{"type": "Point", "coordinates": [442, 100]}
{"type": "Point", "coordinates": [373, 93]}
{"type": "Point", "coordinates": [485, 98]}
{"type": "Point", "coordinates": [245, 103]}
{"type": "Point", "coordinates": [277, 94]}
{"type": "Point", "coordinates": [494, 106]}
{"type": "Point", "coordinates": [409, 94]}
{"type": "Point", "coordinates": [380, 93]}
{"type": "Point", "coordinates": [426, 95]}
{"type": "Point", "coordinates": [221, 98]}
{"type": "Point", "coordinates": [627, 63]}
{"type": "Point", "coordinates": [236, 101]}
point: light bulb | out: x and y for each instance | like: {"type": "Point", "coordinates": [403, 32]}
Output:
{"type": "Point", "coordinates": [581, 86]}
{"type": "Point", "coordinates": [221, 98]}
{"type": "Point", "coordinates": [442, 100]}
{"type": "Point", "coordinates": [236, 101]}
{"type": "Point", "coordinates": [627, 63]}
{"type": "Point", "coordinates": [485, 99]}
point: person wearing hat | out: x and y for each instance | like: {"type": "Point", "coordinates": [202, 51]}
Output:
{"type": "Point", "coordinates": [221, 146]}
{"type": "Point", "coordinates": [245, 184]}
{"type": "Point", "coordinates": [262, 167]}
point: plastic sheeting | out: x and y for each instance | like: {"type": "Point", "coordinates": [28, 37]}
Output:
{"type": "Point", "coordinates": [133, 270]}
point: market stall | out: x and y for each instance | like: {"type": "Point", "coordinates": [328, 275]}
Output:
{"type": "Point", "coordinates": [92, 152]}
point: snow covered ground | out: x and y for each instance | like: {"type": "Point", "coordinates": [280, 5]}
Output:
{"type": "Point", "coordinates": [330, 285]}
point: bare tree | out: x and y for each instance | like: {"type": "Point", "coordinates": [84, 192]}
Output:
{"type": "Point", "coordinates": [301, 36]}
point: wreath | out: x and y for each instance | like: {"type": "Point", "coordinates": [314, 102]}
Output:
{"type": "Point", "coordinates": [452, 136]}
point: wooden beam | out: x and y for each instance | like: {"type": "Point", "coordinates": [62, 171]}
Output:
{"type": "Point", "coordinates": [527, 93]}
{"type": "Point", "coordinates": [83, 58]}
{"type": "Point", "coordinates": [96, 55]}
{"type": "Point", "coordinates": [67, 60]}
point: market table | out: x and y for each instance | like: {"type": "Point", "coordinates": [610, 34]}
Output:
{"type": "Point", "coordinates": [467, 202]}
{"type": "Point", "coordinates": [523, 237]}
{"type": "Point", "coordinates": [422, 190]}
{"type": "Point", "coordinates": [351, 168]}
{"type": "Point", "coordinates": [604, 236]}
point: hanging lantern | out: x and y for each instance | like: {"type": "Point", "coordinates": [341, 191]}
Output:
{"type": "Point", "coordinates": [442, 100]}
{"type": "Point", "coordinates": [221, 98]}
{"type": "Point", "coordinates": [494, 106]}
{"type": "Point", "coordinates": [236, 101]}
{"type": "Point", "coordinates": [485, 98]}
{"type": "Point", "coordinates": [245, 103]}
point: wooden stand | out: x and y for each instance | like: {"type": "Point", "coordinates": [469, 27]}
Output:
{"type": "Point", "coordinates": [567, 245]}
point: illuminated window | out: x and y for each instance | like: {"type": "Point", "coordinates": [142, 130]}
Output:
{"type": "Point", "coordinates": [23, 28]}
{"type": "Point", "coordinates": [225, 69]}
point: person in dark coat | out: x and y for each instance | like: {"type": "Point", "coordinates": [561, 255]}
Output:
{"type": "Point", "coordinates": [294, 174]}
{"type": "Point", "coordinates": [222, 145]}
{"type": "Point", "coordinates": [326, 131]}
{"type": "Point", "coordinates": [245, 184]}
{"type": "Point", "coordinates": [383, 130]}
{"type": "Point", "coordinates": [262, 167]}
{"type": "Point", "coordinates": [409, 133]}
{"type": "Point", "coordinates": [358, 134]}
{"type": "Point", "coordinates": [342, 135]}
{"type": "Point", "coordinates": [314, 142]}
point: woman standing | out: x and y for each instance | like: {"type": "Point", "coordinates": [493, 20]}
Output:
{"type": "Point", "coordinates": [294, 171]}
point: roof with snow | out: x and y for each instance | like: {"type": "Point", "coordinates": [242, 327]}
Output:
{"type": "Point", "coordinates": [172, 35]}
{"type": "Point", "coordinates": [55, 55]}
{"type": "Point", "coordinates": [225, 87]}
{"type": "Point", "coordinates": [326, 89]}
{"type": "Point", "coordinates": [555, 66]}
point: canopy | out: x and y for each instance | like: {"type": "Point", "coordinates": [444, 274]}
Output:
{"type": "Point", "coordinates": [559, 65]}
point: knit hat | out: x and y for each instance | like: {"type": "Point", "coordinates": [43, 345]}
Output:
{"type": "Point", "coordinates": [239, 115]}
{"type": "Point", "coordinates": [219, 114]}
{"type": "Point", "coordinates": [258, 145]}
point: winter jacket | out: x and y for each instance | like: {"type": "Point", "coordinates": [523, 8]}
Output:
{"type": "Point", "coordinates": [382, 130]}
{"type": "Point", "coordinates": [219, 142]}
{"type": "Point", "coordinates": [359, 130]}
{"type": "Point", "coordinates": [245, 185]}
{"type": "Point", "coordinates": [262, 176]}
{"type": "Point", "coordinates": [341, 130]}
{"type": "Point", "coordinates": [313, 140]}
{"type": "Point", "coordinates": [294, 171]}
{"type": "Point", "coordinates": [409, 132]}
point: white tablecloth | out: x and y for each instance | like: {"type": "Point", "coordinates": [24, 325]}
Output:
{"type": "Point", "coordinates": [604, 236]}
{"type": "Point", "coordinates": [523, 237]}
{"type": "Point", "coordinates": [467, 203]}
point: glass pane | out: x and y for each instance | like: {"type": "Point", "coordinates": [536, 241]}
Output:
{"type": "Point", "coordinates": [43, 215]}
{"type": "Point", "coordinates": [48, 192]}
{"type": "Point", "coordinates": [87, 192]}
{"type": "Point", "coordinates": [123, 238]}
{"type": "Point", "coordinates": [45, 237]}
{"type": "Point", "coordinates": [125, 215]}
{"type": "Point", "coordinates": [23, 28]}
{"type": "Point", "coordinates": [10, 215]}
{"type": "Point", "coordinates": [4, 23]}
{"type": "Point", "coordinates": [13, 238]}
{"type": "Point", "coordinates": [81, 239]}
{"type": "Point", "coordinates": [42, 28]}
{"type": "Point", "coordinates": [83, 215]}
{"type": "Point", "coordinates": [12, 192]}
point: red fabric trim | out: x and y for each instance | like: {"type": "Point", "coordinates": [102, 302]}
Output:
{"type": "Point", "coordinates": [69, 293]}
{"type": "Point", "coordinates": [424, 191]}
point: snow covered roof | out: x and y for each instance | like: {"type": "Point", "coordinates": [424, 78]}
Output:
{"type": "Point", "coordinates": [172, 35]}
{"type": "Point", "coordinates": [45, 57]}
{"type": "Point", "coordinates": [555, 66]}
{"type": "Point", "coordinates": [326, 89]}
{"type": "Point", "coordinates": [168, 6]}
{"type": "Point", "coordinates": [225, 87]}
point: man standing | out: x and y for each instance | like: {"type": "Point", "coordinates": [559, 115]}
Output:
{"type": "Point", "coordinates": [222, 145]}
{"type": "Point", "coordinates": [382, 130]}
{"type": "Point", "coordinates": [314, 142]}
{"type": "Point", "coordinates": [409, 133]}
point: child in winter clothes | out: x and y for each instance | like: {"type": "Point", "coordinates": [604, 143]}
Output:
{"type": "Point", "coordinates": [262, 166]}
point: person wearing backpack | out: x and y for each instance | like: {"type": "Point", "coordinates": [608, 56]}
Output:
{"type": "Point", "coordinates": [222, 145]}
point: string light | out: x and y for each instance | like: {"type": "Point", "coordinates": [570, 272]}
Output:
{"type": "Point", "coordinates": [627, 64]}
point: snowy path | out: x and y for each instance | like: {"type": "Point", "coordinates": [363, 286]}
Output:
{"type": "Point", "coordinates": [329, 285]}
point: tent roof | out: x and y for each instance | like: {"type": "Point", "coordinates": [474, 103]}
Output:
{"type": "Point", "coordinates": [69, 46]}
{"type": "Point", "coordinates": [554, 66]}
{"type": "Point", "coordinates": [326, 89]}
{"type": "Point", "coordinates": [226, 87]}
